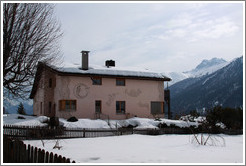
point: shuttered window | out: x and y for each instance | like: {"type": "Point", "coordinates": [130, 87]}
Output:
{"type": "Point", "coordinates": [67, 105]}
{"type": "Point", "coordinates": [157, 107]}
{"type": "Point", "coordinates": [120, 107]}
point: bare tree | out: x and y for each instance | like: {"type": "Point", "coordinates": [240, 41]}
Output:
{"type": "Point", "coordinates": [30, 34]}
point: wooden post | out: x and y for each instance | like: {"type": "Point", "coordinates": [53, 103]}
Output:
{"type": "Point", "coordinates": [83, 133]}
{"type": "Point", "coordinates": [68, 160]}
{"type": "Point", "coordinates": [46, 157]}
{"type": "Point", "coordinates": [28, 153]}
{"type": "Point", "coordinates": [55, 158]}
{"type": "Point", "coordinates": [35, 154]}
{"type": "Point", "coordinates": [59, 159]}
{"type": "Point", "coordinates": [51, 158]}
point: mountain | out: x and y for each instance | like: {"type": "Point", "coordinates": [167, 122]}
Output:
{"type": "Point", "coordinates": [223, 87]}
{"type": "Point", "coordinates": [205, 67]}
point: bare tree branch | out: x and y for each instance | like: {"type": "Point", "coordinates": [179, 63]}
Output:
{"type": "Point", "coordinates": [30, 34]}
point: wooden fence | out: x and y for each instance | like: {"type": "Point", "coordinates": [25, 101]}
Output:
{"type": "Point", "coordinates": [15, 151]}
{"type": "Point", "coordinates": [32, 132]}
{"type": "Point", "coordinates": [28, 132]}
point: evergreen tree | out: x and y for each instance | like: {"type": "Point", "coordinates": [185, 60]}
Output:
{"type": "Point", "coordinates": [21, 109]}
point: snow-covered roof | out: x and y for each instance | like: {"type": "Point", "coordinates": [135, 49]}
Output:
{"type": "Point", "coordinates": [102, 71]}
{"type": "Point", "coordinates": [133, 72]}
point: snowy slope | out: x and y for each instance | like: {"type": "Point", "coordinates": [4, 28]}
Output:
{"type": "Point", "coordinates": [204, 68]}
{"type": "Point", "coordinates": [207, 67]}
{"type": "Point", "coordinates": [223, 87]}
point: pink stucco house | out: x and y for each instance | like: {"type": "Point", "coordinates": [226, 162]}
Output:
{"type": "Point", "coordinates": [97, 92]}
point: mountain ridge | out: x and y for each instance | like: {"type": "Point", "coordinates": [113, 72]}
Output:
{"type": "Point", "coordinates": [203, 68]}
{"type": "Point", "coordinates": [223, 87]}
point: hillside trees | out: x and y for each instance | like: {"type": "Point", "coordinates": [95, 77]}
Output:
{"type": "Point", "coordinates": [232, 118]}
{"type": "Point", "coordinates": [30, 34]}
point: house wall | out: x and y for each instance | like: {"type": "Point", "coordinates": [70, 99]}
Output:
{"type": "Point", "coordinates": [137, 95]}
{"type": "Point", "coordinates": [44, 98]}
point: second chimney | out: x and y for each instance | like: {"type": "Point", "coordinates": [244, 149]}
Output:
{"type": "Point", "coordinates": [85, 60]}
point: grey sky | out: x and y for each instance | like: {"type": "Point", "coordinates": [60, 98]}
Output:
{"type": "Point", "coordinates": [158, 36]}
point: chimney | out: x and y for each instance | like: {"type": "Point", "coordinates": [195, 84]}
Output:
{"type": "Point", "coordinates": [85, 60]}
{"type": "Point", "coordinates": [110, 63]}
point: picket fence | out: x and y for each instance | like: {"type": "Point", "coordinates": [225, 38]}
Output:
{"type": "Point", "coordinates": [15, 151]}
{"type": "Point", "coordinates": [37, 132]}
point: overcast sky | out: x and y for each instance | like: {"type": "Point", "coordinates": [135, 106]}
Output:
{"type": "Point", "coordinates": [158, 36]}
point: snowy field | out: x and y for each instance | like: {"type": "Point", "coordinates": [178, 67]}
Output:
{"type": "Point", "coordinates": [147, 149]}
{"type": "Point", "coordinates": [162, 149]}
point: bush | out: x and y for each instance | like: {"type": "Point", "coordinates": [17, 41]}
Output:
{"type": "Point", "coordinates": [232, 118]}
{"type": "Point", "coordinates": [162, 125]}
{"type": "Point", "coordinates": [54, 121]}
{"type": "Point", "coordinates": [72, 119]}
{"type": "Point", "coordinates": [21, 117]}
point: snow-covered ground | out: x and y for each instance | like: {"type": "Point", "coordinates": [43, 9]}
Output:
{"type": "Point", "coordinates": [162, 149]}
{"type": "Point", "coordinates": [136, 148]}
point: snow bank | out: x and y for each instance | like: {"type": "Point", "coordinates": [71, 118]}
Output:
{"type": "Point", "coordinates": [89, 123]}
{"type": "Point", "coordinates": [12, 119]}
{"type": "Point", "coordinates": [85, 123]}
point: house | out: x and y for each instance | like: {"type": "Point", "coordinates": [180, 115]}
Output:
{"type": "Point", "coordinates": [97, 92]}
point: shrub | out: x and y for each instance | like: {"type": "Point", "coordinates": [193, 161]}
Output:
{"type": "Point", "coordinates": [54, 121]}
{"type": "Point", "coordinates": [72, 119]}
{"type": "Point", "coordinates": [230, 117]}
{"type": "Point", "coordinates": [21, 117]}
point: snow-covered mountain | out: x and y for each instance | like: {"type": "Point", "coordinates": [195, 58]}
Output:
{"type": "Point", "coordinates": [223, 87]}
{"type": "Point", "coordinates": [205, 67]}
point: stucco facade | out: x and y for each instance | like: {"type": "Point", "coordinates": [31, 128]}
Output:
{"type": "Point", "coordinates": [137, 94]}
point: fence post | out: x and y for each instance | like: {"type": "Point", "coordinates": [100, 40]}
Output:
{"type": "Point", "coordinates": [55, 158]}
{"type": "Point", "coordinates": [40, 156]}
{"type": "Point", "coordinates": [28, 153]}
{"type": "Point", "coordinates": [59, 159]}
{"type": "Point", "coordinates": [51, 158]}
{"type": "Point", "coordinates": [83, 133]}
{"type": "Point", "coordinates": [46, 157]}
{"type": "Point", "coordinates": [35, 155]}
{"type": "Point", "coordinates": [23, 153]}
{"type": "Point", "coordinates": [32, 155]}
{"type": "Point", "coordinates": [67, 160]}
{"type": "Point", "coordinates": [15, 149]}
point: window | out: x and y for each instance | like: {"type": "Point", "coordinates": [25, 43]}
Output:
{"type": "Point", "coordinates": [157, 108]}
{"type": "Point", "coordinates": [41, 107]}
{"type": "Point", "coordinates": [120, 107]}
{"type": "Point", "coordinates": [98, 106]}
{"type": "Point", "coordinates": [50, 83]}
{"type": "Point", "coordinates": [50, 106]}
{"type": "Point", "coordinates": [96, 81]}
{"type": "Point", "coordinates": [67, 105]}
{"type": "Point", "coordinates": [120, 82]}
